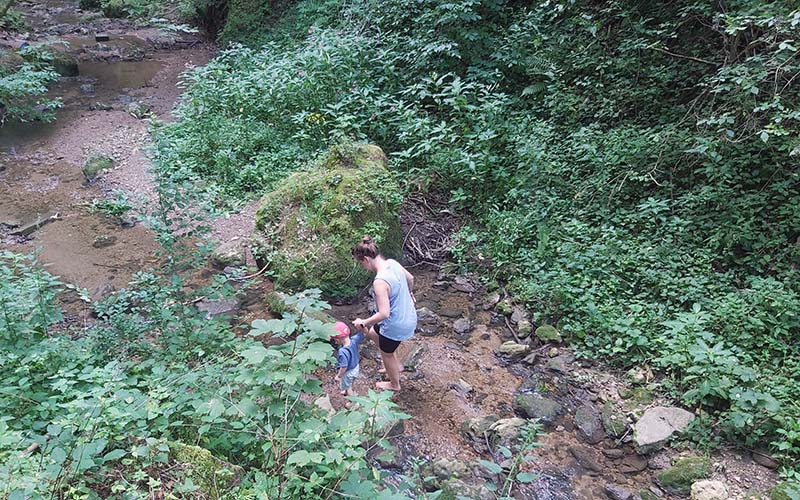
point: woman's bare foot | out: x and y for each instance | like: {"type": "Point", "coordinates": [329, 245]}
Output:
{"type": "Point", "coordinates": [386, 386]}
{"type": "Point", "coordinates": [381, 370]}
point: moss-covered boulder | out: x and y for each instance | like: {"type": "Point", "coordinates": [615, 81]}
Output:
{"type": "Point", "coordinates": [548, 333]}
{"type": "Point", "coordinates": [307, 226]}
{"type": "Point", "coordinates": [678, 479]}
{"type": "Point", "coordinates": [213, 476]}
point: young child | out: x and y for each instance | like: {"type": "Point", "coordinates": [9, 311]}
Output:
{"type": "Point", "coordinates": [346, 357]}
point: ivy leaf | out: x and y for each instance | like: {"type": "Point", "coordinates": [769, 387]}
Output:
{"type": "Point", "coordinates": [527, 477]}
{"type": "Point", "coordinates": [491, 466]}
{"type": "Point", "coordinates": [58, 455]}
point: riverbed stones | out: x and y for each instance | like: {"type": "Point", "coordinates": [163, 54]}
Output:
{"type": "Point", "coordinates": [490, 301]}
{"type": "Point", "coordinates": [709, 490]}
{"type": "Point", "coordinates": [513, 349]}
{"type": "Point", "coordinates": [307, 225]}
{"type": "Point", "coordinates": [587, 421]}
{"type": "Point", "coordinates": [476, 431]}
{"type": "Point", "coordinates": [451, 312]}
{"type": "Point", "coordinates": [657, 425]}
{"type": "Point", "coordinates": [537, 406]}
{"type": "Point", "coordinates": [518, 313]}
{"type": "Point", "coordinates": [679, 478]}
{"type": "Point", "coordinates": [137, 109]}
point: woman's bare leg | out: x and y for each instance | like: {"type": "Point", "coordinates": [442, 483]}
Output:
{"type": "Point", "coordinates": [373, 336]}
{"type": "Point", "coordinates": [392, 370]}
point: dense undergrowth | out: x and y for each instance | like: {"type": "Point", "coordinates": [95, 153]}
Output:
{"type": "Point", "coordinates": [631, 168]}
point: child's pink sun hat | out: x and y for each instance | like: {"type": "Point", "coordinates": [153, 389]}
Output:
{"type": "Point", "coordinates": [342, 330]}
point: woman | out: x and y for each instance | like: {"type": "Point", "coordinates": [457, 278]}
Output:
{"type": "Point", "coordinates": [396, 318]}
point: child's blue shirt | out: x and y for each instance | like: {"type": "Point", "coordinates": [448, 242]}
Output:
{"type": "Point", "coordinates": [347, 356]}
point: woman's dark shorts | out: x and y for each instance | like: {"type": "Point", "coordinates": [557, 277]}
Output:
{"type": "Point", "coordinates": [386, 344]}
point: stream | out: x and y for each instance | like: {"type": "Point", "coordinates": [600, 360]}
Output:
{"type": "Point", "coordinates": [454, 373]}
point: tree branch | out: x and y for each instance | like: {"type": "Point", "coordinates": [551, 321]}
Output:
{"type": "Point", "coordinates": [681, 56]}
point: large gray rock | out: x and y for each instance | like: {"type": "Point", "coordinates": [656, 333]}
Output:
{"type": "Point", "coordinates": [228, 254]}
{"type": "Point", "coordinates": [462, 326]}
{"type": "Point", "coordinates": [657, 425]}
{"type": "Point", "coordinates": [709, 490]}
{"type": "Point", "coordinates": [587, 420]}
{"type": "Point", "coordinates": [506, 431]}
{"type": "Point", "coordinates": [537, 406]}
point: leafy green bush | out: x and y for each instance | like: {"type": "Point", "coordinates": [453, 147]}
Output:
{"type": "Point", "coordinates": [22, 89]}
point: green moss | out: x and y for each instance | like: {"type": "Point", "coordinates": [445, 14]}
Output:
{"type": "Point", "coordinates": [614, 422]}
{"type": "Point", "coordinates": [307, 226]}
{"type": "Point", "coordinates": [214, 476]}
{"type": "Point", "coordinates": [678, 479]}
{"type": "Point", "coordinates": [96, 164]}
{"type": "Point", "coordinates": [548, 333]}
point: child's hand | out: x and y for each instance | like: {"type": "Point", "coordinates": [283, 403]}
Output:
{"type": "Point", "coordinates": [337, 378]}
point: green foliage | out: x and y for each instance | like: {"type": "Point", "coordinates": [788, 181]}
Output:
{"type": "Point", "coordinates": [22, 89]}
{"type": "Point", "coordinates": [13, 21]}
{"type": "Point", "coordinates": [630, 172]}
{"type": "Point", "coordinates": [117, 205]}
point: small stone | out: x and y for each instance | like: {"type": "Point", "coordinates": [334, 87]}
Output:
{"type": "Point", "coordinates": [639, 376]}
{"type": "Point", "coordinates": [524, 329]}
{"type": "Point", "coordinates": [462, 326]}
{"type": "Point", "coordinates": [553, 352]}
{"type": "Point", "coordinates": [462, 284]}
{"type": "Point", "coordinates": [648, 495]}
{"type": "Point", "coordinates": [461, 387]}
{"type": "Point", "coordinates": [137, 109]}
{"type": "Point", "coordinates": [427, 317]}
{"type": "Point", "coordinates": [87, 88]}
{"type": "Point", "coordinates": [451, 312]}
{"type": "Point", "coordinates": [506, 431]}
{"type": "Point", "coordinates": [96, 164]}
{"type": "Point", "coordinates": [491, 301]}
{"type": "Point", "coordinates": [633, 464]}
{"type": "Point", "coordinates": [518, 314]}
{"type": "Point", "coordinates": [585, 458]}
{"type": "Point", "coordinates": [548, 333]}
{"type": "Point", "coordinates": [103, 241]}
{"type": "Point", "coordinates": [709, 490]}
{"type": "Point", "coordinates": [531, 358]}
{"type": "Point", "coordinates": [512, 349]}
{"type": "Point", "coordinates": [614, 453]}
{"type": "Point", "coordinates": [617, 492]}
{"type": "Point", "coordinates": [216, 307]}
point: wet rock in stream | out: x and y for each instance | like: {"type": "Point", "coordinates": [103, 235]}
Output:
{"type": "Point", "coordinates": [587, 421]}
{"type": "Point", "coordinates": [537, 406]}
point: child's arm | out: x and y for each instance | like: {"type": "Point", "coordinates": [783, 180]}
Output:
{"type": "Point", "coordinates": [340, 373]}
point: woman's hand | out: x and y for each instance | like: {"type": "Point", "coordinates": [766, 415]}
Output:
{"type": "Point", "coordinates": [359, 323]}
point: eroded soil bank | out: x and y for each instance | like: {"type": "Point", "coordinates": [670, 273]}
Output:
{"type": "Point", "coordinates": [455, 375]}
